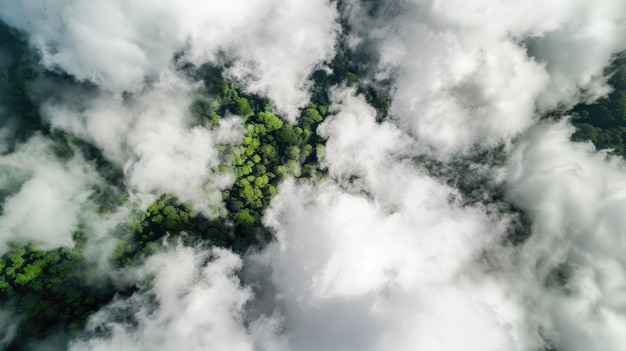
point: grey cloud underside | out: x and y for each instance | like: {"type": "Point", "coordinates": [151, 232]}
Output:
{"type": "Point", "coordinates": [381, 254]}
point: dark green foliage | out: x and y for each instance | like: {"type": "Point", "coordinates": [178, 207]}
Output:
{"type": "Point", "coordinates": [18, 68]}
{"type": "Point", "coordinates": [243, 108]}
{"type": "Point", "coordinates": [271, 149]}
{"type": "Point", "coordinates": [343, 73]}
{"type": "Point", "coordinates": [206, 112]}
{"type": "Point", "coordinates": [349, 64]}
{"type": "Point", "coordinates": [219, 97]}
{"type": "Point", "coordinates": [52, 290]}
{"type": "Point", "coordinates": [604, 122]}
{"type": "Point", "coordinates": [168, 216]}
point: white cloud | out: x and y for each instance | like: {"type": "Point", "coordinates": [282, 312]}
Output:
{"type": "Point", "coordinates": [283, 49]}
{"type": "Point", "coordinates": [151, 137]}
{"type": "Point", "coordinates": [46, 197]}
{"type": "Point", "coordinates": [380, 255]}
{"type": "Point", "coordinates": [476, 71]}
{"type": "Point", "coordinates": [118, 44]}
{"type": "Point", "coordinates": [195, 303]}
{"type": "Point", "coordinates": [389, 261]}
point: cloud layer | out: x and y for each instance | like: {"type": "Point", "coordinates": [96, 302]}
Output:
{"type": "Point", "coordinates": [380, 254]}
{"type": "Point", "coordinates": [274, 45]}
{"type": "Point", "coordinates": [44, 199]}
{"type": "Point", "coordinates": [196, 303]}
{"type": "Point", "coordinates": [390, 260]}
{"type": "Point", "coordinates": [152, 138]}
{"type": "Point", "coordinates": [469, 72]}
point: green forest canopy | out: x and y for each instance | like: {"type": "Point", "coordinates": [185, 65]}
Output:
{"type": "Point", "coordinates": [58, 289]}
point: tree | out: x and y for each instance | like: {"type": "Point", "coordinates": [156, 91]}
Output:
{"type": "Point", "coordinates": [288, 136]}
{"type": "Point", "coordinates": [271, 122]}
{"type": "Point", "coordinates": [245, 218]}
{"type": "Point", "coordinates": [243, 108]}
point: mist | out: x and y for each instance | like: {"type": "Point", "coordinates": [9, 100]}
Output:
{"type": "Point", "coordinates": [384, 232]}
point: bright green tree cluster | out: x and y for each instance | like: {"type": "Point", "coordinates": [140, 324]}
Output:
{"type": "Point", "coordinates": [271, 149]}
{"type": "Point", "coordinates": [51, 289]}
{"type": "Point", "coordinates": [58, 289]}
{"type": "Point", "coordinates": [346, 67]}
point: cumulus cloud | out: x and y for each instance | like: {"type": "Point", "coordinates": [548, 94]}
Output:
{"type": "Point", "coordinates": [576, 198]}
{"type": "Point", "coordinates": [391, 260]}
{"type": "Point", "coordinates": [151, 136]}
{"type": "Point", "coordinates": [43, 198]}
{"type": "Point", "coordinates": [468, 72]}
{"type": "Point", "coordinates": [118, 44]}
{"type": "Point", "coordinates": [353, 277]}
{"type": "Point", "coordinates": [195, 303]}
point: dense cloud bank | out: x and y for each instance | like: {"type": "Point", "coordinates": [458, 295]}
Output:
{"type": "Point", "coordinates": [152, 138]}
{"type": "Point", "coordinates": [378, 253]}
{"type": "Point", "coordinates": [396, 269]}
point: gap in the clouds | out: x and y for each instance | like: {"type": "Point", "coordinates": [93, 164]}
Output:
{"type": "Point", "coordinates": [167, 220]}
{"type": "Point", "coordinates": [52, 291]}
{"type": "Point", "coordinates": [373, 9]}
{"type": "Point", "coordinates": [108, 195]}
{"type": "Point", "coordinates": [474, 173]}
{"type": "Point", "coordinates": [272, 149]}
{"type": "Point", "coordinates": [603, 122]}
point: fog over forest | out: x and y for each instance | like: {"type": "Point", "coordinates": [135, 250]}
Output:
{"type": "Point", "coordinates": [288, 175]}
